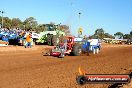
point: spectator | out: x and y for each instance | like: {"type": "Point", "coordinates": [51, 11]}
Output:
{"type": "Point", "coordinates": [5, 38]}
{"type": "Point", "coordinates": [28, 40]}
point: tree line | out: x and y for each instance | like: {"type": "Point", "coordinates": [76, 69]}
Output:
{"type": "Point", "coordinates": [29, 23]}
{"type": "Point", "coordinates": [100, 33]}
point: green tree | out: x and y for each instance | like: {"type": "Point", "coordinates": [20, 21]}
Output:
{"type": "Point", "coordinates": [118, 35]}
{"type": "Point", "coordinates": [99, 33]}
{"type": "Point", "coordinates": [30, 23]}
{"type": "Point", "coordinates": [6, 22]}
{"type": "Point", "coordinates": [40, 28]}
{"type": "Point", "coordinates": [126, 36]}
{"type": "Point", "coordinates": [16, 23]}
{"type": "Point", "coordinates": [107, 35]}
{"type": "Point", "coordinates": [0, 21]}
{"type": "Point", "coordinates": [92, 36]}
{"type": "Point", "coordinates": [130, 32]}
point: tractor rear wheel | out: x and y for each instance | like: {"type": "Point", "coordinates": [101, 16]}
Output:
{"type": "Point", "coordinates": [54, 40]}
{"type": "Point", "coordinates": [77, 50]}
{"type": "Point", "coordinates": [49, 39]}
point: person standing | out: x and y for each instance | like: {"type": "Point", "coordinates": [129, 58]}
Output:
{"type": "Point", "coordinates": [28, 40]}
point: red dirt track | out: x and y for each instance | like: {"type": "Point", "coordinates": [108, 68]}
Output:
{"type": "Point", "coordinates": [28, 68]}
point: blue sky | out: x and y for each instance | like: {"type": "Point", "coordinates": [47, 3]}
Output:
{"type": "Point", "coordinates": [111, 15]}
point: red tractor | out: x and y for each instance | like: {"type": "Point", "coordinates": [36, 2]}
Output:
{"type": "Point", "coordinates": [75, 47]}
{"type": "Point", "coordinates": [68, 47]}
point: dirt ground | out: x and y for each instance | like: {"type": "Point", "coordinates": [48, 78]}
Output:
{"type": "Point", "coordinates": [28, 68]}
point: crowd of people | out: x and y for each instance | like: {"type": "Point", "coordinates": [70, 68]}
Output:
{"type": "Point", "coordinates": [16, 35]}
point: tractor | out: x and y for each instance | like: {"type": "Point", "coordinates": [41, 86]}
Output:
{"type": "Point", "coordinates": [51, 35]}
{"type": "Point", "coordinates": [75, 46]}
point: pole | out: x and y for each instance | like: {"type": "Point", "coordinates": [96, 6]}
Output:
{"type": "Point", "coordinates": [79, 17]}
{"type": "Point", "coordinates": [1, 23]}
{"type": "Point", "coordinates": [2, 18]}
{"type": "Point", "coordinates": [79, 24]}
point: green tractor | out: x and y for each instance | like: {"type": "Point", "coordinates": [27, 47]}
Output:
{"type": "Point", "coordinates": [52, 35]}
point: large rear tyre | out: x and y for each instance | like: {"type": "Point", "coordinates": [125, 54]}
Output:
{"type": "Point", "coordinates": [54, 40]}
{"type": "Point", "coordinates": [77, 50]}
{"type": "Point", "coordinates": [49, 37]}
